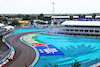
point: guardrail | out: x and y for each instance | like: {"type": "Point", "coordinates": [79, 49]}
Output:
{"type": "Point", "coordinates": [41, 26]}
{"type": "Point", "coordinates": [2, 31]}
{"type": "Point", "coordinates": [7, 54]}
{"type": "Point", "coordinates": [90, 62]}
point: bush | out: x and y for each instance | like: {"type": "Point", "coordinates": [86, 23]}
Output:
{"type": "Point", "coordinates": [1, 43]}
{"type": "Point", "coordinates": [42, 23]}
{"type": "Point", "coordinates": [55, 22]}
{"type": "Point", "coordinates": [49, 22]}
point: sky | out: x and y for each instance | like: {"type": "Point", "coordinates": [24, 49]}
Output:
{"type": "Point", "coordinates": [46, 6]}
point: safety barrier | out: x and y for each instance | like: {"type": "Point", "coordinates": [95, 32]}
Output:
{"type": "Point", "coordinates": [41, 26]}
{"type": "Point", "coordinates": [8, 54]}
{"type": "Point", "coordinates": [90, 62]}
{"type": "Point", "coordinates": [58, 34]}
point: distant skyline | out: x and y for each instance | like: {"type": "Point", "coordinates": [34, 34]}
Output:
{"type": "Point", "coordinates": [46, 7]}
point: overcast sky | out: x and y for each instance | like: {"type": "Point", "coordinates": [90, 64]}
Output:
{"type": "Point", "coordinates": [46, 7]}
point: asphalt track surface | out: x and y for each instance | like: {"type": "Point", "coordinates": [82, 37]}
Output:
{"type": "Point", "coordinates": [24, 54]}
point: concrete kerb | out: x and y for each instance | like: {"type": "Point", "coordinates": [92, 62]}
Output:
{"type": "Point", "coordinates": [37, 53]}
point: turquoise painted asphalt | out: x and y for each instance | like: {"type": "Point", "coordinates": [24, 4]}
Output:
{"type": "Point", "coordinates": [12, 49]}
{"type": "Point", "coordinates": [30, 30]}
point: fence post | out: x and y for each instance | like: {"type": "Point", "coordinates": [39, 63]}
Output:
{"type": "Point", "coordinates": [91, 61]}
{"type": "Point", "coordinates": [86, 63]}
{"type": "Point", "coordinates": [81, 64]}
{"type": "Point", "coordinates": [96, 60]}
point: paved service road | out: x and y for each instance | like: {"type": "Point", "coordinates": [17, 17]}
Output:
{"type": "Point", "coordinates": [24, 54]}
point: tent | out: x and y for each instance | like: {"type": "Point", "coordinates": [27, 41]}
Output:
{"type": "Point", "coordinates": [1, 25]}
{"type": "Point", "coordinates": [9, 27]}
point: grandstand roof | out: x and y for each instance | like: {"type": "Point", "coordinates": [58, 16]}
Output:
{"type": "Point", "coordinates": [82, 23]}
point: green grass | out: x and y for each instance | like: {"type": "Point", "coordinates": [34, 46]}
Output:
{"type": "Point", "coordinates": [1, 43]}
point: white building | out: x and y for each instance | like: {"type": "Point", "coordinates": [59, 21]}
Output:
{"type": "Point", "coordinates": [80, 28]}
{"type": "Point", "coordinates": [60, 18]}
{"type": "Point", "coordinates": [88, 17]}
{"type": "Point", "coordinates": [97, 18]}
{"type": "Point", "coordinates": [40, 21]}
{"type": "Point", "coordinates": [75, 17]}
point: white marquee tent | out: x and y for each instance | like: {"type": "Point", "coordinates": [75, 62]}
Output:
{"type": "Point", "coordinates": [1, 25]}
{"type": "Point", "coordinates": [9, 27]}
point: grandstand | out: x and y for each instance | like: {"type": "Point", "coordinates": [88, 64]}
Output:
{"type": "Point", "coordinates": [88, 18]}
{"type": "Point", "coordinates": [97, 18]}
{"type": "Point", "coordinates": [60, 18]}
{"type": "Point", "coordinates": [75, 17]}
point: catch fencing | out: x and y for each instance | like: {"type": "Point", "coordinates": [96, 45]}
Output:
{"type": "Point", "coordinates": [6, 54]}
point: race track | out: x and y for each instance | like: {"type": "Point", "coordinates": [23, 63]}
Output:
{"type": "Point", "coordinates": [24, 54]}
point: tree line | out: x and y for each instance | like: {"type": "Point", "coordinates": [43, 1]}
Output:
{"type": "Point", "coordinates": [31, 17]}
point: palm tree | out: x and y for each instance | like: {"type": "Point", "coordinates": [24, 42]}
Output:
{"type": "Point", "coordinates": [31, 22]}
{"type": "Point", "coordinates": [50, 65]}
{"type": "Point", "coordinates": [76, 64]}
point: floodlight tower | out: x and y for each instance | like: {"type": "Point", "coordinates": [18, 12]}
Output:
{"type": "Point", "coordinates": [52, 23]}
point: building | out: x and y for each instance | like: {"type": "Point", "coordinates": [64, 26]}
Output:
{"type": "Point", "coordinates": [97, 18]}
{"type": "Point", "coordinates": [2, 30]}
{"type": "Point", "coordinates": [40, 21]}
{"type": "Point", "coordinates": [75, 18]}
{"type": "Point", "coordinates": [23, 22]}
{"type": "Point", "coordinates": [80, 28]}
{"type": "Point", "coordinates": [81, 18]}
{"type": "Point", "coordinates": [88, 18]}
{"type": "Point", "coordinates": [60, 18]}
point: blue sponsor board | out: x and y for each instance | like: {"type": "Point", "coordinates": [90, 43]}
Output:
{"type": "Point", "coordinates": [48, 50]}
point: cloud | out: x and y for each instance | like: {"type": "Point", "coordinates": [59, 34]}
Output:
{"type": "Point", "coordinates": [45, 6]}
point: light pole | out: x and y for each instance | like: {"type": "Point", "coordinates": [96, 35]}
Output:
{"type": "Point", "coordinates": [52, 23]}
